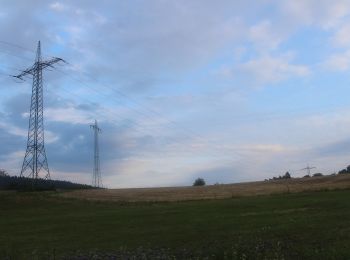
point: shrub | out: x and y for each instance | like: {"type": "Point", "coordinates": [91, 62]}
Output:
{"type": "Point", "coordinates": [199, 182]}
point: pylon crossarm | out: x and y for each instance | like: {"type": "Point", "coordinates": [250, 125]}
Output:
{"type": "Point", "coordinates": [24, 73]}
{"type": "Point", "coordinates": [42, 65]}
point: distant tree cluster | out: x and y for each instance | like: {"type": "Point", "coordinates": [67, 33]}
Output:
{"type": "Point", "coordinates": [3, 173]}
{"type": "Point", "coordinates": [283, 177]}
{"type": "Point", "coordinates": [345, 171]}
{"type": "Point", "coordinates": [199, 182]}
{"type": "Point", "coordinates": [314, 175]}
{"type": "Point", "coordinates": [23, 184]}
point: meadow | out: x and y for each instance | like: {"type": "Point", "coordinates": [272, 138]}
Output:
{"type": "Point", "coordinates": [304, 225]}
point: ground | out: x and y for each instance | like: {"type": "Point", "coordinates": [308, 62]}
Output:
{"type": "Point", "coordinates": [341, 181]}
{"type": "Point", "coordinates": [306, 225]}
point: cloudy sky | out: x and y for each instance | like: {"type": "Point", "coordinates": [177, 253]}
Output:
{"type": "Point", "coordinates": [229, 91]}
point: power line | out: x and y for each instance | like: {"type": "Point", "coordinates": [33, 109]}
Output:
{"type": "Point", "coordinates": [191, 135]}
{"type": "Point", "coordinates": [141, 128]}
{"type": "Point", "coordinates": [189, 132]}
{"type": "Point", "coordinates": [99, 92]}
{"type": "Point", "coordinates": [15, 55]}
{"type": "Point", "coordinates": [16, 45]}
{"type": "Point", "coordinates": [108, 97]}
{"type": "Point", "coordinates": [149, 110]}
{"type": "Point", "coordinates": [138, 111]}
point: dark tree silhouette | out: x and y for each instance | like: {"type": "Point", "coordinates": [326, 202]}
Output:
{"type": "Point", "coordinates": [21, 183]}
{"type": "Point", "coordinates": [344, 171]}
{"type": "Point", "coordinates": [348, 169]}
{"type": "Point", "coordinates": [199, 182]}
{"type": "Point", "coordinates": [287, 176]}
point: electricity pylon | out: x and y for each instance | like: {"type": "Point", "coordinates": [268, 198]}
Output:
{"type": "Point", "coordinates": [96, 176]}
{"type": "Point", "coordinates": [35, 158]}
{"type": "Point", "coordinates": [308, 168]}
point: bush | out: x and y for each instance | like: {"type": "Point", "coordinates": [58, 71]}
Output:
{"type": "Point", "coordinates": [317, 174]}
{"type": "Point", "coordinates": [199, 182]}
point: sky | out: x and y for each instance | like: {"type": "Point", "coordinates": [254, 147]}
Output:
{"type": "Point", "coordinates": [229, 91]}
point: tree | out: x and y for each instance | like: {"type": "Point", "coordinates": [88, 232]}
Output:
{"type": "Point", "coordinates": [199, 182]}
{"type": "Point", "coordinates": [348, 169]}
{"type": "Point", "coordinates": [3, 172]}
{"type": "Point", "coordinates": [344, 171]}
{"type": "Point", "coordinates": [287, 175]}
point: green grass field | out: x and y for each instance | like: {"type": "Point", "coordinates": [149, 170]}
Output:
{"type": "Point", "coordinates": [313, 225]}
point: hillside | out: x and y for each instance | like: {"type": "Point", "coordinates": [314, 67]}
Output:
{"type": "Point", "coordinates": [294, 185]}
{"type": "Point", "coordinates": [41, 225]}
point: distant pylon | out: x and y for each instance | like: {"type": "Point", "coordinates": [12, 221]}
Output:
{"type": "Point", "coordinates": [35, 158]}
{"type": "Point", "coordinates": [96, 177]}
{"type": "Point", "coordinates": [308, 168]}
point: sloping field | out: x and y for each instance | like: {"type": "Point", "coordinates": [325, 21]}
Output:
{"type": "Point", "coordinates": [215, 191]}
{"type": "Point", "coordinates": [306, 225]}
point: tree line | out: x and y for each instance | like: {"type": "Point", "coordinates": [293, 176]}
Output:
{"type": "Point", "coordinates": [8, 182]}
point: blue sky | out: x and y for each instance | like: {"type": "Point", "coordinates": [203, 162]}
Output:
{"type": "Point", "coordinates": [229, 91]}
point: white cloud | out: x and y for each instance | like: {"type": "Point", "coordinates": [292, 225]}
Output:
{"type": "Point", "coordinates": [270, 69]}
{"type": "Point", "coordinates": [57, 6]}
{"type": "Point", "coordinates": [338, 61]}
{"type": "Point", "coordinates": [264, 36]}
{"type": "Point", "coordinates": [68, 115]}
{"type": "Point", "coordinates": [323, 13]}
{"type": "Point", "coordinates": [12, 162]}
{"type": "Point", "coordinates": [263, 148]}
{"type": "Point", "coordinates": [341, 37]}
{"type": "Point", "coordinates": [14, 130]}
{"type": "Point", "coordinates": [267, 69]}
{"type": "Point", "coordinates": [50, 137]}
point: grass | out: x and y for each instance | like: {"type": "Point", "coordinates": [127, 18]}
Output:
{"type": "Point", "coordinates": [314, 225]}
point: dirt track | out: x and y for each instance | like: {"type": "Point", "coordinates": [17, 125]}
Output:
{"type": "Point", "coordinates": [215, 191]}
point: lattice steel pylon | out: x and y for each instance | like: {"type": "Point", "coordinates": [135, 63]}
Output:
{"type": "Point", "coordinates": [96, 175]}
{"type": "Point", "coordinates": [308, 169]}
{"type": "Point", "coordinates": [35, 159]}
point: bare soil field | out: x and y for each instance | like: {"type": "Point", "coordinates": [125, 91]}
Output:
{"type": "Point", "coordinates": [221, 191]}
